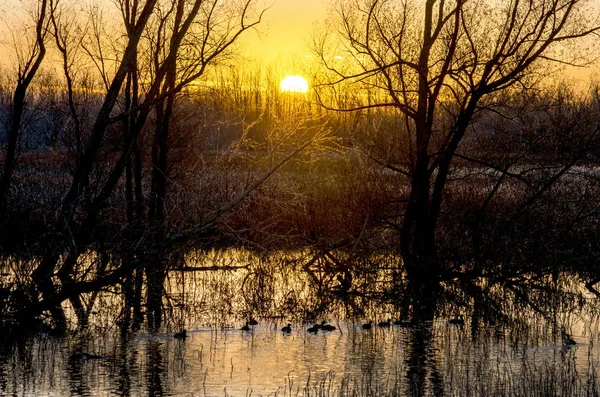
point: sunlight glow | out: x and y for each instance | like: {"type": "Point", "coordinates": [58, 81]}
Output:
{"type": "Point", "coordinates": [294, 84]}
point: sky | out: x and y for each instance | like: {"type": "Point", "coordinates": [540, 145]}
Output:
{"type": "Point", "coordinates": [282, 38]}
{"type": "Point", "coordinates": [285, 35]}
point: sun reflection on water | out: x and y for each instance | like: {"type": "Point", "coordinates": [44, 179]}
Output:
{"type": "Point", "coordinates": [217, 355]}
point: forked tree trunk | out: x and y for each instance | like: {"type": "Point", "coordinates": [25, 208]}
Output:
{"type": "Point", "coordinates": [157, 267]}
{"type": "Point", "coordinates": [418, 247]}
{"type": "Point", "coordinates": [65, 231]}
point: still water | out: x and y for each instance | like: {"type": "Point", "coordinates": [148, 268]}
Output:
{"type": "Point", "coordinates": [217, 358]}
{"type": "Point", "coordinates": [266, 361]}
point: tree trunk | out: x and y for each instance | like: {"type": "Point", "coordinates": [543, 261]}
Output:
{"type": "Point", "coordinates": [64, 229]}
{"type": "Point", "coordinates": [418, 246]}
{"type": "Point", "coordinates": [157, 267]}
{"type": "Point", "coordinates": [128, 168]}
{"type": "Point", "coordinates": [31, 67]}
{"type": "Point", "coordinates": [18, 107]}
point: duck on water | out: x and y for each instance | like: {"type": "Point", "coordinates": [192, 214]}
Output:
{"type": "Point", "coordinates": [567, 340]}
{"type": "Point", "coordinates": [327, 327]}
{"type": "Point", "coordinates": [180, 335]}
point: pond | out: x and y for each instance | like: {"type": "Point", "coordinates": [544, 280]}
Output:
{"type": "Point", "coordinates": [527, 357]}
{"type": "Point", "coordinates": [266, 361]}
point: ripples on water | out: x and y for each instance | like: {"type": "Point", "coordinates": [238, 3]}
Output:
{"type": "Point", "coordinates": [438, 358]}
{"type": "Point", "coordinates": [268, 362]}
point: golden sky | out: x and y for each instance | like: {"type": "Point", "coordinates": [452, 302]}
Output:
{"type": "Point", "coordinates": [282, 39]}
{"type": "Point", "coordinates": [284, 33]}
{"type": "Point", "coordinates": [287, 28]}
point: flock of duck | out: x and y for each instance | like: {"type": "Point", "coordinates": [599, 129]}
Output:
{"type": "Point", "coordinates": [312, 330]}
{"type": "Point", "coordinates": [324, 327]}
{"type": "Point", "coordinates": [567, 340]}
{"type": "Point", "coordinates": [328, 327]}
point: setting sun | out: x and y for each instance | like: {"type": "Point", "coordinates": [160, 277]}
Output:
{"type": "Point", "coordinates": [294, 84]}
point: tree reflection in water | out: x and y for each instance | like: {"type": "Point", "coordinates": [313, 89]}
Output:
{"type": "Point", "coordinates": [155, 368]}
{"type": "Point", "coordinates": [503, 345]}
{"type": "Point", "coordinates": [422, 361]}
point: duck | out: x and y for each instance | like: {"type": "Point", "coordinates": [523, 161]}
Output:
{"type": "Point", "coordinates": [314, 329]}
{"type": "Point", "coordinates": [246, 327]}
{"type": "Point", "coordinates": [457, 321]}
{"type": "Point", "coordinates": [180, 335]}
{"type": "Point", "coordinates": [567, 340]}
{"type": "Point", "coordinates": [368, 325]}
{"type": "Point", "coordinates": [327, 327]}
{"type": "Point", "coordinates": [287, 329]}
{"type": "Point", "coordinates": [252, 321]}
{"type": "Point", "coordinates": [385, 324]}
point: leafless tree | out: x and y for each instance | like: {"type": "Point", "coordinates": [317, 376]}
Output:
{"type": "Point", "coordinates": [29, 61]}
{"type": "Point", "coordinates": [172, 44]}
{"type": "Point", "coordinates": [66, 230]}
{"type": "Point", "coordinates": [191, 36]}
{"type": "Point", "coordinates": [437, 64]}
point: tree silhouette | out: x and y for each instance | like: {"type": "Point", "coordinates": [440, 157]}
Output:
{"type": "Point", "coordinates": [437, 64]}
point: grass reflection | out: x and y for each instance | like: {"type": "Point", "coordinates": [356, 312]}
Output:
{"type": "Point", "coordinates": [505, 345]}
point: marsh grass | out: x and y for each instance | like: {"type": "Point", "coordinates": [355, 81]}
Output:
{"type": "Point", "coordinates": [454, 364]}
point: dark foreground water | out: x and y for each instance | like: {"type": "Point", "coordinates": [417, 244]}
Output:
{"type": "Point", "coordinates": [217, 358]}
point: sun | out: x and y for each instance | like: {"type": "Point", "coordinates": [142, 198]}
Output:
{"type": "Point", "coordinates": [294, 84]}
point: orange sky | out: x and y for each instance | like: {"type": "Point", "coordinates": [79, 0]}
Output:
{"type": "Point", "coordinates": [283, 39]}
{"type": "Point", "coordinates": [287, 28]}
{"type": "Point", "coordinates": [284, 33]}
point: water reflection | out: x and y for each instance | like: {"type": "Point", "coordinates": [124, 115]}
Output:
{"type": "Point", "coordinates": [431, 359]}
{"type": "Point", "coordinates": [421, 360]}
{"type": "Point", "coordinates": [155, 369]}
{"type": "Point", "coordinates": [487, 355]}
{"type": "Point", "coordinates": [77, 382]}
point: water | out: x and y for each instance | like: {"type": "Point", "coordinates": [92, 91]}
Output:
{"type": "Point", "coordinates": [525, 358]}
{"type": "Point", "coordinates": [268, 362]}
{"type": "Point", "coordinates": [207, 363]}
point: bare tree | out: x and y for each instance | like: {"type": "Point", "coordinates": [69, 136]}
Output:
{"type": "Point", "coordinates": [29, 62]}
{"type": "Point", "coordinates": [66, 230]}
{"type": "Point", "coordinates": [191, 36]}
{"type": "Point", "coordinates": [437, 64]}
{"type": "Point", "coordinates": [180, 40]}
